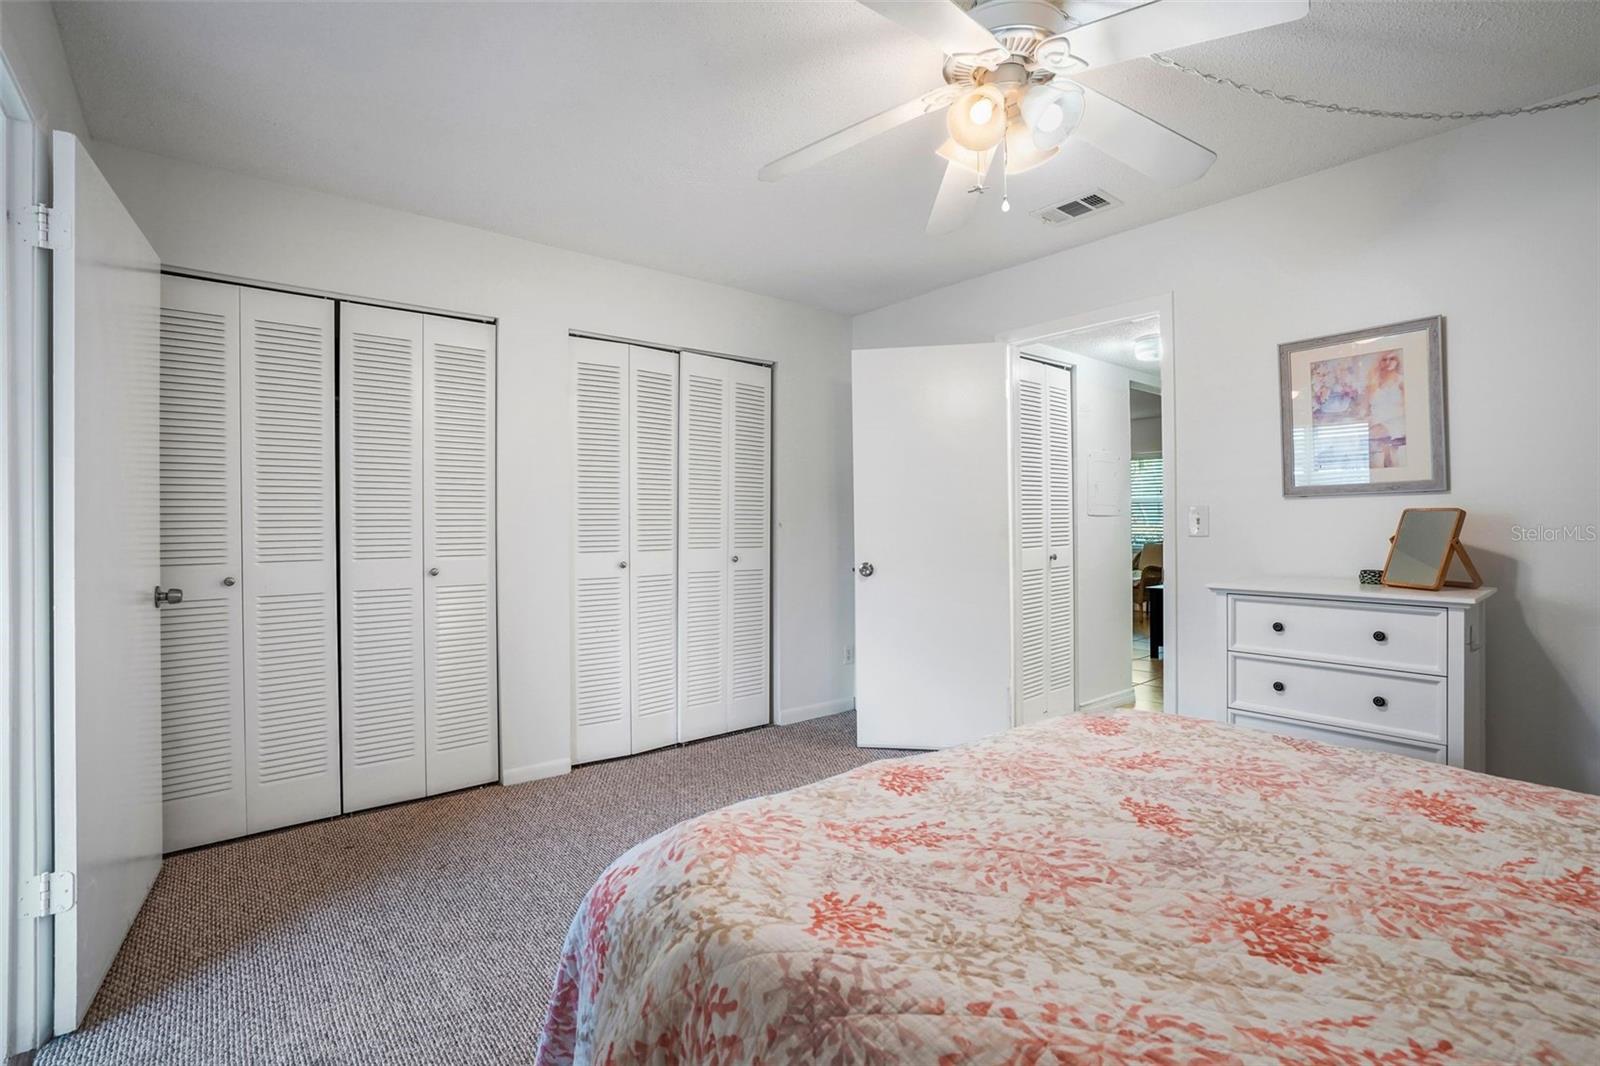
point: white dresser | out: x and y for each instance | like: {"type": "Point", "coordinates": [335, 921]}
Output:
{"type": "Point", "coordinates": [1359, 665]}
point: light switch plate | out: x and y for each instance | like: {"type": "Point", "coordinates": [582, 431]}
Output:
{"type": "Point", "coordinates": [1200, 521]}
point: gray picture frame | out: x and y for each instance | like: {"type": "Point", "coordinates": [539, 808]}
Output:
{"type": "Point", "coordinates": [1438, 416]}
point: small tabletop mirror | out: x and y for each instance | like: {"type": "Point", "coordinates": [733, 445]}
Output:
{"type": "Point", "coordinates": [1423, 547]}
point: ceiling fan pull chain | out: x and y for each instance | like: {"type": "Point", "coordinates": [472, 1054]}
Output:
{"type": "Point", "coordinates": [1368, 112]}
{"type": "Point", "coordinates": [1005, 175]}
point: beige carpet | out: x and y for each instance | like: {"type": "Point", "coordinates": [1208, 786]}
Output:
{"type": "Point", "coordinates": [423, 933]}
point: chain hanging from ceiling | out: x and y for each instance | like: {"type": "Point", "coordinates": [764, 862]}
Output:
{"type": "Point", "coordinates": [1370, 112]}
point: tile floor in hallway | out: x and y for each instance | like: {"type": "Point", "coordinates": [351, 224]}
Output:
{"type": "Point", "coordinates": [1146, 671]}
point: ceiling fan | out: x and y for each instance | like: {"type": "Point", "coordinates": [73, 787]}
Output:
{"type": "Point", "coordinates": [1009, 91]}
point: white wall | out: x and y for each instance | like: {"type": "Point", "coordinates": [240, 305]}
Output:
{"type": "Point", "coordinates": [220, 222]}
{"type": "Point", "coordinates": [1496, 226]}
{"type": "Point", "coordinates": [32, 48]}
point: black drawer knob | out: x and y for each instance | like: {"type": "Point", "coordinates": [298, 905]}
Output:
{"type": "Point", "coordinates": [1379, 701]}
{"type": "Point", "coordinates": [1277, 686]}
{"type": "Point", "coordinates": [1380, 636]}
{"type": "Point", "coordinates": [1277, 627]}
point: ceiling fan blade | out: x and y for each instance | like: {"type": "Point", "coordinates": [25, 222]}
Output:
{"type": "Point", "coordinates": [956, 204]}
{"type": "Point", "coordinates": [1169, 24]}
{"type": "Point", "coordinates": [866, 129]}
{"type": "Point", "coordinates": [939, 21]}
{"type": "Point", "coordinates": [1141, 142]}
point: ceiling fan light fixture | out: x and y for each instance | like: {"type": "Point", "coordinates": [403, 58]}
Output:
{"type": "Point", "coordinates": [977, 120]}
{"type": "Point", "coordinates": [1022, 154]}
{"type": "Point", "coordinates": [1052, 112]}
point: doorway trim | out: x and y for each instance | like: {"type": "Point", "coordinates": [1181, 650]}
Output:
{"type": "Point", "coordinates": [1160, 307]}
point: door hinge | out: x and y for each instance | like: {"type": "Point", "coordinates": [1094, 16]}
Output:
{"type": "Point", "coordinates": [49, 893]}
{"type": "Point", "coordinates": [43, 227]}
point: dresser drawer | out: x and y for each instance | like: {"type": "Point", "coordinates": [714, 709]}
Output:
{"type": "Point", "coordinates": [1392, 638]}
{"type": "Point", "coordinates": [1302, 731]}
{"type": "Point", "coordinates": [1402, 705]}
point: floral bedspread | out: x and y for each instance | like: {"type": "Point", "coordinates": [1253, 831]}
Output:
{"type": "Point", "coordinates": [1129, 888]}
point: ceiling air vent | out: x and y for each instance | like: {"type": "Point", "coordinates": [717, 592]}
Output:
{"type": "Point", "coordinates": [1088, 204]}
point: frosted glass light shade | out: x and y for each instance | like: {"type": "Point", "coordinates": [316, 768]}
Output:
{"type": "Point", "coordinates": [1022, 153]}
{"type": "Point", "coordinates": [1052, 112]}
{"type": "Point", "coordinates": [977, 120]}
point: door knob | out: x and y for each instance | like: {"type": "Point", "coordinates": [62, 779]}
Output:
{"type": "Point", "coordinates": [1277, 686]}
{"type": "Point", "coordinates": [1052, 557]}
{"type": "Point", "coordinates": [433, 571]}
{"type": "Point", "coordinates": [230, 582]}
{"type": "Point", "coordinates": [865, 570]}
{"type": "Point", "coordinates": [735, 558]}
{"type": "Point", "coordinates": [623, 565]}
{"type": "Point", "coordinates": [172, 597]}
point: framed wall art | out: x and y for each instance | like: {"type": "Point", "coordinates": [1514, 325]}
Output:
{"type": "Point", "coordinates": [1364, 412]}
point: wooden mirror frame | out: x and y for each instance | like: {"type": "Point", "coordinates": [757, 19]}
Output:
{"type": "Point", "coordinates": [1454, 550]}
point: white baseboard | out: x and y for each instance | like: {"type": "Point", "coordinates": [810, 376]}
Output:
{"type": "Point", "coordinates": [538, 771]}
{"type": "Point", "coordinates": [791, 715]}
{"type": "Point", "coordinates": [1108, 703]}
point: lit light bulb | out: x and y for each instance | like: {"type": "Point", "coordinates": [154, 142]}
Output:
{"type": "Point", "coordinates": [977, 121]}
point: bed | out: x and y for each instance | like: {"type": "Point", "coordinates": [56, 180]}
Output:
{"type": "Point", "coordinates": [1128, 888]}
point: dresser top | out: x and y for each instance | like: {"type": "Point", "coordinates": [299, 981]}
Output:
{"type": "Point", "coordinates": [1343, 588]}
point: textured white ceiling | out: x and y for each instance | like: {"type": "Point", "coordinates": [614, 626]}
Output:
{"type": "Point", "coordinates": [634, 130]}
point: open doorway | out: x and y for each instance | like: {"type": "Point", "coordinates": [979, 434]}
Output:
{"type": "Point", "coordinates": [1147, 534]}
{"type": "Point", "coordinates": [1120, 383]}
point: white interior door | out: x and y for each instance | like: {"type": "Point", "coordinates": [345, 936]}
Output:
{"type": "Point", "coordinates": [705, 402]}
{"type": "Point", "coordinates": [106, 293]}
{"type": "Point", "coordinates": [1059, 562]}
{"type": "Point", "coordinates": [463, 734]}
{"type": "Point", "coordinates": [653, 538]}
{"type": "Point", "coordinates": [381, 555]}
{"type": "Point", "coordinates": [202, 639]}
{"type": "Point", "coordinates": [601, 634]}
{"type": "Point", "coordinates": [290, 560]}
{"type": "Point", "coordinates": [1042, 467]}
{"type": "Point", "coordinates": [932, 512]}
{"type": "Point", "coordinates": [749, 536]}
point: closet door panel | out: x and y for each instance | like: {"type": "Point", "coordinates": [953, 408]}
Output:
{"type": "Point", "coordinates": [1032, 503]}
{"type": "Point", "coordinates": [750, 554]}
{"type": "Point", "coordinates": [202, 639]}
{"type": "Point", "coordinates": [290, 572]}
{"type": "Point", "coordinates": [705, 405]}
{"type": "Point", "coordinates": [601, 646]}
{"type": "Point", "coordinates": [653, 544]}
{"type": "Point", "coordinates": [1063, 693]}
{"type": "Point", "coordinates": [463, 728]}
{"type": "Point", "coordinates": [381, 555]}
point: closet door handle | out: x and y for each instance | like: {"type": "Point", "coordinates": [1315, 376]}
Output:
{"type": "Point", "coordinates": [1380, 636]}
{"type": "Point", "coordinates": [230, 582]}
{"type": "Point", "coordinates": [623, 565]}
{"type": "Point", "coordinates": [1277, 627]}
{"type": "Point", "coordinates": [1277, 686]}
{"type": "Point", "coordinates": [433, 571]}
{"type": "Point", "coordinates": [1052, 557]}
{"type": "Point", "coordinates": [735, 558]}
{"type": "Point", "coordinates": [1379, 702]}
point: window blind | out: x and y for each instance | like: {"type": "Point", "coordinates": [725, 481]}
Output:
{"type": "Point", "coordinates": [1147, 520]}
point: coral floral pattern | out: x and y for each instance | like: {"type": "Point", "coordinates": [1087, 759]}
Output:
{"type": "Point", "coordinates": [1130, 888]}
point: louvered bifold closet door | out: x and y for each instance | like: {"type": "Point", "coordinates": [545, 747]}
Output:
{"type": "Point", "coordinates": [202, 639]}
{"type": "Point", "coordinates": [461, 685]}
{"type": "Point", "coordinates": [381, 555]}
{"type": "Point", "coordinates": [749, 531]}
{"type": "Point", "coordinates": [602, 653]}
{"type": "Point", "coordinates": [1031, 467]}
{"type": "Point", "coordinates": [290, 560]}
{"type": "Point", "coordinates": [653, 546]}
{"type": "Point", "coordinates": [705, 400]}
{"type": "Point", "coordinates": [1063, 691]}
